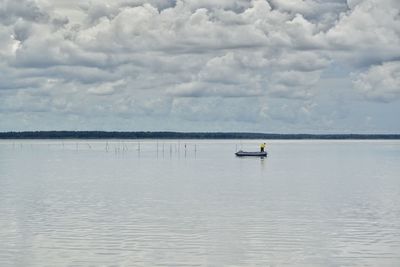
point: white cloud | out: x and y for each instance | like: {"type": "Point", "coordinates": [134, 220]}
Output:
{"type": "Point", "coordinates": [367, 34]}
{"type": "Point", "coordinates": [12, 10]}
{"type": "Point", "coordinates": [106, 88]}
{"type": "Point", "coordinates": [294, 84]}
{"type": "Point", "coordinates": [380, 82]}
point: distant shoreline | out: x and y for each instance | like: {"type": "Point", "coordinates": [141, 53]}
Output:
{"type": "Point", "coordinates": [186, 135]}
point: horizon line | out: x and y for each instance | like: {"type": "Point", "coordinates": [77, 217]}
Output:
{"type": "Point", "coordinates": [95, 134]}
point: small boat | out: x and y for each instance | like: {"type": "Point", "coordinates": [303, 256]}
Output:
{"type": "Point", "coordinates": [241, 153]}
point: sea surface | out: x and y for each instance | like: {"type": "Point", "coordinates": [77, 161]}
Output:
{"type": "Point", "coordinates": [193, 203]}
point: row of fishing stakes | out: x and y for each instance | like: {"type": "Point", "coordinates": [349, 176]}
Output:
{"type": "Point", "coordinates": [176, 148]}
{"type": "Point", "coordinates": [122, 147]}
{"type": "Point", "coordinates": [163, 148]}
{"type": "Point", "coordinates": [160, 148]}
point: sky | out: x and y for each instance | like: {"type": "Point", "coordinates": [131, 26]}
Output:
{"type": "Point", "coordinates": [272, 66]}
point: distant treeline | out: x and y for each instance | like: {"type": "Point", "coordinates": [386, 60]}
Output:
{"type": "Point", "coordinates": [182, 135]}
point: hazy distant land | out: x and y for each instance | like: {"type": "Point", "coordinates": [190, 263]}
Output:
{"type": "Point", "coordinates": [182, 135]}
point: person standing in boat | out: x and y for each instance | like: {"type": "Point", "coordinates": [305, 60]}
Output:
{"type": "Point", "coordinates": [262, 147]}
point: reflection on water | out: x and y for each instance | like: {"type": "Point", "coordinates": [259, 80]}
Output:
{"type": "Point", "coordinates": [148, 203]}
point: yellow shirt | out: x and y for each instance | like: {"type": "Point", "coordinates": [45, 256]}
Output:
{"type": "Point", "coordinates": [262, 145]}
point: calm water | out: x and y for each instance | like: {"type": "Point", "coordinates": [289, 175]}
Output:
{"type": "Point", "coordinates": [125, 203]}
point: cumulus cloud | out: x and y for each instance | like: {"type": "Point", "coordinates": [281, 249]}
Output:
{"type": "Point", "coordinates": [368, 26]}
{"type": "Point", "coordinates": [295, 84]}
{"type": "Point", "coordinates": [147, 58]}
{"type": "Point", "coordinates": [381, 82]}
{"type": "Point", "coordinates": [313, 9]}
{"type": "Point", "coordinates": [106, 88]}
{"type": "Point", "coordinates": [13, 10]}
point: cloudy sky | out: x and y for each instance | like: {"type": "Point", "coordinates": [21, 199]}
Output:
{"type": "Point", "coordinates": [286, 66]}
